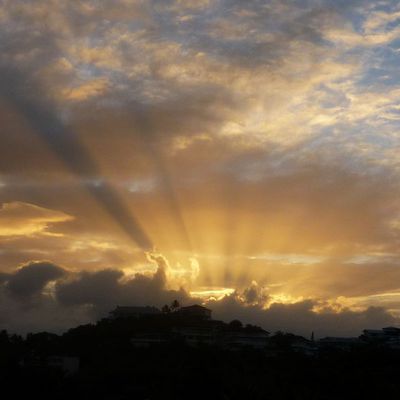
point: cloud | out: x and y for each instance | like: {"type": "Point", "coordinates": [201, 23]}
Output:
{"type": "Point", "coordinates": [48, 126]}
{"type": "Point", "coordinates": [86, 90]}
{"type": "Point", "coordinates": [29, 302]}
{"type": "Point", "coordinates": [254, 294]}
{"type": "Point", "coordinates": [19, 219]}
{"type": "Point", "coordinates": [104, 289]}
{"type": "Point", "coordinates": [30, 279]}
{"type": "Point", "coordinates": [301, 317]}
{"type": "Point", "coordinates": [90, 288]}
{"type": "Point", "coordinates": [87, 296]}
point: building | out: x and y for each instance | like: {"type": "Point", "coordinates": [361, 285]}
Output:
{"type": "Point", "coordinates": [374, 334]}
{"type": "Point", "coordinates": [388, 336]}
{"type": "Point", "coordinates": [194, 312]}
{"type": "Point", "coordinates": [145, 340]}
{"type": "Point", "coordinates": [69, 365]}
{"type": "Point", "coordinates": [339, 343]}
{"type": "Point", "coordinates": [195, 336]}
{"type": "Point", "coordinates": [392, 331]}
{"type": "Point", "coordinates": [242, 338]}
{"type": "Point", "coordinates": [133, 312]}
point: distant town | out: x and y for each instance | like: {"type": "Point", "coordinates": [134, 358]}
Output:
{"type": "Point", "coordinates": [151, 353]}
{"type": "Point", "coordinates": [193, 325]}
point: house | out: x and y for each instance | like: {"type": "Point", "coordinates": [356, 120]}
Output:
{"type": "Point", "coordinates": [145, 340]}
{"type": "Point", "coordinates": [392, 331]}
{"type": "Point", "coordinates": [374, 334]}
{"type": "Point", "coordinates": [389, 335]}
{"type": "Point", "coordinates": [301, 345]}
{"type": "Point", "coordinates": [393, 343]}
{"type": "Point", "coordinates": [194, 312]}
{"type": "Point", "coordinates": [256, 339]}
{"type": "Point", "coordinates": [133, 312]}
{"type": "Point", "coordinates": [339, 343]}
{"type": "Point", "coordinates": [195, 336]}
{"type": "Point", "coordinates": [69, 365]}
{"type": "Point", "coordinates": [306, 347]}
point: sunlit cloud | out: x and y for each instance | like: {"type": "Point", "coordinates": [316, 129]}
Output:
{"type": "Point", "coordinates": [86, 90]}
{"type": "Point", "coordinates": [211, 293]}
{"type": "Point", "coordinates": [23, 219]}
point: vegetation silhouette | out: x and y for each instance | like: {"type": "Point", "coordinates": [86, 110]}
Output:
{"type": "Point", "coordinates": [111, 367]}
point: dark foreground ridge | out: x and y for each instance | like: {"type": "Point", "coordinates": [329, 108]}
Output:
{"type": "Point", "coordinates": [182, 353]}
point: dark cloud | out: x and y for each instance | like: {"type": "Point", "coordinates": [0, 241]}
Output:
{"type": "Point", "coordinates": [100, 287]}
{"type": "Point", "coordinates": [31, 278]}
{"type": "Point", "coordinates": [88, 296]}
{"type": "Point", "coordinates": [4, 277]}
{"type": "Point", "coordinates": [102, 290]}
{"type": "Point", "coordinates": [301, 318]}
{"type": "Point", "coordinates": [76, 298]}
{"type": "Point", "coordinates": [254, 294]}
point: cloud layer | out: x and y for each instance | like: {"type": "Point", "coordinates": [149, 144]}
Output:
{"type": "Point", "coordinates": [36, 294]}
{"type": "Point", "coordinates": [257, 139]}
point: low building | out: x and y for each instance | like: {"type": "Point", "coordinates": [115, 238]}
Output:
{"type": "Point", "coordinates": [374, 334]}
{"type": "Point", "coordinates": [387, 336]}
{"type": "Point", "coordinates": [304, 346]}
{"type": "Point", "coordinates": [392, 331]}
{"type": "Point", "coordinates": [145, 340]}
{"type": "Point", "coordinates": [133, 312]}
{"type": "Point", "coordinates": [393, 343]}
{"type": "Point", "coordinates": [194, 312]}
{"type": "Point", "coordinates": [195, 336]}
{"type": "Point", "coordinates": [339, 343]}
{"type": "Point", "coordinates": [69, 365]}
{"type": "Point", "coordinates": [242, 338]}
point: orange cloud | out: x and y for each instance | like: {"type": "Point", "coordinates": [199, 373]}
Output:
{"type": "Point", "coordinates": [24, 219]}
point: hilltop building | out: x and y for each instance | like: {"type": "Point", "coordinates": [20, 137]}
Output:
{"type": "Point", "coordinates": [195, 311]}
{"type": "Point", "coordinates": [256, 339]}
{"type": "Point", "coordinates": [339, 343]}
{"type": "Point", "coordinates": [389, 336]}
{"type": "Point", "coordinates": [381, 334]}
{"type": "Point", "coordinates": [68, 365]}
{"type": "Point", "coordinates": [149, 339]}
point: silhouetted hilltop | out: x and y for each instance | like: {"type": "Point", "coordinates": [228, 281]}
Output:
{"type": "Point", "coordinates": [175, 355]}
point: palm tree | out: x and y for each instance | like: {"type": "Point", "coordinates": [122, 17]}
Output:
{"type": "Point", "coordinates": [235, 325]}
{"type": "Point", "coordinates": [175, 305]}
{"type": "Point", "coordinates": [166, 309]}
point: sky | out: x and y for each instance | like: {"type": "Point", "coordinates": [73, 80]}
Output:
{"type": "Point", "coordinates": [239, 154]}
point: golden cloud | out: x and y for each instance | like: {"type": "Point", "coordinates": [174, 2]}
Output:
{"type": "Point", "coordinates": [24, 219]}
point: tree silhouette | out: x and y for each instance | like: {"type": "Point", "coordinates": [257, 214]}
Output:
{"type": "Point", "coordinates": [166, 309]}
{"type": "Point", "coordinates": [235, 324]}
{"type": "Point", "coordinates": [175, 305]}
